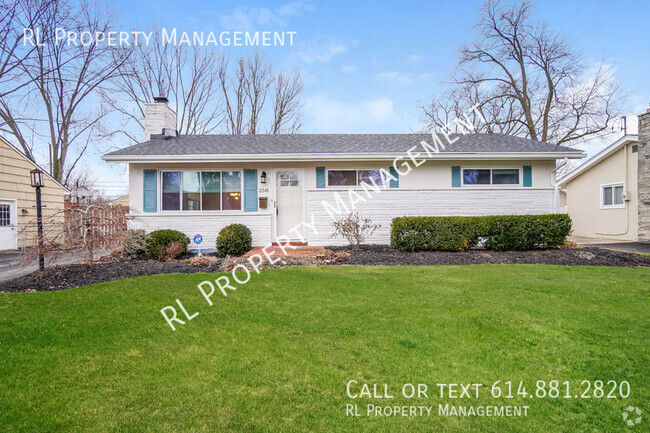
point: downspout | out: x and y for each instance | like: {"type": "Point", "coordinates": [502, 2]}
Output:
{"type": "Point", "coordinates": [556, 187]}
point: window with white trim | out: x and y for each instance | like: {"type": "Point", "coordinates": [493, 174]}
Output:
{"type": "Point", "coordinates": [5, 215]}
{"type": "Point", "coordinates": [491, 176]}
{"type": "Point", "coordinates": [355, 177]}
{"type": "Point", "coordinates": [612, 196]}
{"type": "Point", "coordinates": [201, 190]}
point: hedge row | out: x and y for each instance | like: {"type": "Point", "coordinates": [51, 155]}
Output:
{"type": "Point", "coordinates": [499, 232]}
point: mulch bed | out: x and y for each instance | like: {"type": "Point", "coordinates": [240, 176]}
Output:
{"type": "Point", "coordinates": [589, 256]}
{"type": "Point", "coordinates": [108, 269]}
{"type": "Point", "coordinates": [115, 268]}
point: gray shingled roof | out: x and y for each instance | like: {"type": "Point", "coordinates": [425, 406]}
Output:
{"type": "Point", "coordinates": [329, 144]}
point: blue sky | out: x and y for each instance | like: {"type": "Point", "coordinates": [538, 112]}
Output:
{"type": "Point", "coordinates": [367, 64]}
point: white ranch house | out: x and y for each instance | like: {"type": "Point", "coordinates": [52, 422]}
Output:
{"type": "Point", "coordinates": [199, 184]}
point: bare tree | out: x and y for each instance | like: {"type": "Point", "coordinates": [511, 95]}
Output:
{"type": "Point", "coordinates": [355, 229]}
{"type": "Point", "coordinates": [257, 80]}
{"type": "Point", "coordinates": [245, 89]}
{"type": "Point", "coordinates": [211, 93]}
{"type": "Point", "coordinates": [527, 80]}
{"type": "Point", "coordinates": [187, 76]}
{"type": "Point", "coordinates": [17, 46]}
{"type": "Point", "coordinates": [62, 81]}
{"type": "Point", "coordinates": [286, 103]}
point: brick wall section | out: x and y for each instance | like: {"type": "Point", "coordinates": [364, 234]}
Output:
{"type": "Point", "coordinates": [644, 177]}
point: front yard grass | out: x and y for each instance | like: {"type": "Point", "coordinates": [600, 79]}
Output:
{"type": "Point", "coordinates": [276, 355]}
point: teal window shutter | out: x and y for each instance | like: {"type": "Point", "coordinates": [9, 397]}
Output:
{"type": "Point", "coordinates": [250, 189]}
{"type": "Point", "coordinates": [394, 183]}
{"type": "Point", "coordinates": [528, 176]}
{"type": "Point", "coordinates": [320, 177]}
{"type": "Point", "coordinates": [455, 176]}
{"type": "Point", "coordinates": [149, 194]}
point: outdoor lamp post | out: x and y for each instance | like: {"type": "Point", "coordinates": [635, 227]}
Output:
{"type": "Point", "coordinates": [36, 177]}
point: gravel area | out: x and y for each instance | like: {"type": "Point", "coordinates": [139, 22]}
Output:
{"type": "Point", "coordinates": [115, 268]}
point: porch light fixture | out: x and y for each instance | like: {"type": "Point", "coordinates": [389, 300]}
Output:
{"type": "Point", "coordinates": [263, 177]}
{"type": "Point", "coordinates": [36, 177]}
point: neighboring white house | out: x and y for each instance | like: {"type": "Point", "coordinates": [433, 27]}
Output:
{"type": "Point", "coordinates": [198, 184]}
{"type": "Point", "coordinates": [608, 196]}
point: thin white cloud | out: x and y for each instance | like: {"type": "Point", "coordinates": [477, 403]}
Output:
{"type": "Point", "coordinates": [398, 77]}
{"type": "Point", "coordinates": [243, 18]}
{"type": "Point", "coordinates": [349, 69]}
{"type": "Point", "coordinates": [326, 115]}
{"type": "Point", "coordinates": [322, 51]}
{"type": "Point", "coordinates": [414, 59]}
{"type": "Point", "coordinates": [295, 9]}
{"type": "Point", "coordinates": [402, 77]}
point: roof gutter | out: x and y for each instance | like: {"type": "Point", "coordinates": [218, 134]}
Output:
{"type": "Point", "coordinates": [285, 157]}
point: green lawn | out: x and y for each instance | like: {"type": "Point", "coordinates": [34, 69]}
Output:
{"type": "Point", "coordinates": [276, 355]}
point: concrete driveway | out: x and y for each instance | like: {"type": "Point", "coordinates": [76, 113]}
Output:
{"type": "Point", "coordinates": [612, 244]}
{"type": "Point", "coordinates": [632, 247]}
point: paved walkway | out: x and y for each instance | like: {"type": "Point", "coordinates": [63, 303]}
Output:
{"type": "Point", "coordinates": [290, 251]}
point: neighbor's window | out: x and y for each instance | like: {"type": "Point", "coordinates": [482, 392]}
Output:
{"type": "Point", "coordinates": [354, 177]}
{"type": "Point", "coordinates": [201, 190]}
{"type": "Point", "coordinates": [612, 195]}
{"type": "Point", "coordinates": [491, 176]}
{"type": "Point", "coordinates": [5, 215]}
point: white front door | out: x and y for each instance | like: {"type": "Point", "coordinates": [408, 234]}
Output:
{"type": "Point", "coordinates": [8, 228]}
{"type": "Point", "coordinates": [289, 201]}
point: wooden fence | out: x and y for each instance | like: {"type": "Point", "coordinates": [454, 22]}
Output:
{"type": "Point", "coordinates": [106, 222]}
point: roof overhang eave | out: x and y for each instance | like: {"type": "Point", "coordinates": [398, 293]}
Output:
{"type": "Point", "coordinates": [341, 157]}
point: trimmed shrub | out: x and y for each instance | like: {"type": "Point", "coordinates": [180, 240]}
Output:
{"type": "Point", "coordinates": [499, 232]}
{"type": "Point", "coordinates": [134, 243]}
{"type": "Point", "coordinates": [527, 232]}
{"type": "Point", "coordinates": [435, 233]}
{"type": "Point", "coordinates": [160, 241]}
{"type": "Point", "coordinates": [234, 240]}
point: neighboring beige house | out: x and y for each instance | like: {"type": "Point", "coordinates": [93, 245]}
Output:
{"type": "Point", "coordinates": [121, 201]}
{"type": "Point", "coordinates": [18, 198]}
{"type": "Point", "coordinates": [605, 196]}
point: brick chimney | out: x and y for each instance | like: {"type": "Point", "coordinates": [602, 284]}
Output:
{"type": "Point", "coordinates": [159, 119]}
{"type": "Point", "coordinates": [643, 176]}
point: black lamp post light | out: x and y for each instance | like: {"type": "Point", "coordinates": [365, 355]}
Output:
{"type": "Point", "coordinates": [36, 177]}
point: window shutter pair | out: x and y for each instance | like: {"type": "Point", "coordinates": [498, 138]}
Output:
{"type": "Point", "coordinates": [150, 196]}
